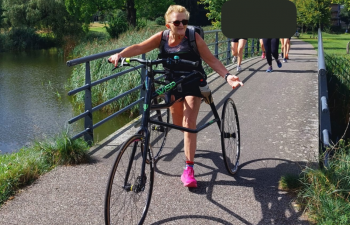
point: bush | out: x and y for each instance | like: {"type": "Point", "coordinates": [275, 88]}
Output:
{"type": "Point", "coordinates": [117, 24]}
{"type": "Point", "coordinates": [25, 38]}
{"type": "Point", "coordinates": [160, 20]}
{"type": "Point", "coordinates": [334, 30]}
{"type": "Point", "coordinates": [141, 23]}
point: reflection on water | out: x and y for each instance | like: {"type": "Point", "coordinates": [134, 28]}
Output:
{"type": "Point", "coordinates": [33, 100]}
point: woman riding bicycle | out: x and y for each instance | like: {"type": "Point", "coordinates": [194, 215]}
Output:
{"type": "Point", "coordinates": [185, 112]}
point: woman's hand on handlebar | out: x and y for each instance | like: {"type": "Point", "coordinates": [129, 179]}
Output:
{"type": "Point", "coordinates": [233, 81]}
{"type": "Point", "coordinates": [115, 59]}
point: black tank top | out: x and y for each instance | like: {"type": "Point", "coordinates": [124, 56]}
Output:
{"type": "Point", "coordinates": [184, 51]}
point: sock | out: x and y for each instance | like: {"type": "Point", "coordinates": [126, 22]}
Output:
{"type": "Point", "coordinates": [189, 163]}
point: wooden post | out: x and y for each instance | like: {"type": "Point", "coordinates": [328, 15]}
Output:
{"type": "Point", "coordinates": [347, 48]}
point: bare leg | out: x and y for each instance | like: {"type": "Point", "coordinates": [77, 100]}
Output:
{"type": "Point", "coordinates": [185, 114]}
{"type": "Point", "coordinates": [234, 48]}
{"type": "Point", "coordinates": [241, 44]}
{"type": "Point", "coordinates": [287, 46]}
{"type": "Point", "coordinates": [262, 45]}
{"type": "Point", "coordinates": [282, 45]}
{"type": "Point", "coordinates": [191, 108]}
{"type": "Point", "coordinates": [176, 111]}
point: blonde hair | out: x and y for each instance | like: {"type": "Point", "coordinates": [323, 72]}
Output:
{"type": "Point", "coordinates": [176, 9]}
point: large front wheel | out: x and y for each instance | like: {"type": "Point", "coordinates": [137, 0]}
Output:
{"type": "Point", "coordinates": [230, 136]}
{"type": "Point", "coordinates": [128, 193]}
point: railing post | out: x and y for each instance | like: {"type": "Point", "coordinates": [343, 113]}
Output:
{"type": "Point", "coordinates": [257, 46]}
{"type": "Point", "coordinates": [216, 44]}
{"type": "Point", "coordinates": [246, 50]}
{"type": "Point", "coordinates": [252, 53]}
{"type": "Point", "coordinates": [143, 77]}
{"type": "Point", "coordinates": [228, 55]}
{"type": "Point", "coordinates": [88, 123]}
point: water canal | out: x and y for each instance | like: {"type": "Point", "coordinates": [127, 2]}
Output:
{"type": "Point", "coordinates": [34, 104]}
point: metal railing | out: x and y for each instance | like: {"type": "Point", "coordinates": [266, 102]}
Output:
{"type": "Point", "coordinates": [324, 115]}
{"type": "Point", "coordinates": [218, 51]}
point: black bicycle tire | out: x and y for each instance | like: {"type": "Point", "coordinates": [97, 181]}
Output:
{"type": "Point", "coordinates": [165, 132]}
{"type": "Point", "coordinates": [230, 103]}
{"type": "Point", "coordinates": [109, 188]}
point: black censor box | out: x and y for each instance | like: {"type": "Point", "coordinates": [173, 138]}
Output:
{"type": "Point", "coordinates": [258, 19]}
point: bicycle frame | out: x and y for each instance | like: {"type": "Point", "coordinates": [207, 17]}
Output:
{"type": "Point", "coordinates": [146, 113]}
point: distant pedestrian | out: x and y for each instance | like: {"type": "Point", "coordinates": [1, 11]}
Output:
{"type": "Point", "coordinates": [271, 49]}
{"type": "Point", "coordinates": [237, 46]}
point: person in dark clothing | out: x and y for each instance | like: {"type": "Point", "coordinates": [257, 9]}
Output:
{"type": "Point", "coordinates": [271, 49]}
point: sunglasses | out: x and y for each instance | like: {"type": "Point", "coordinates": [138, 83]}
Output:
{"type": "Point", "coordinates": [177, 23]}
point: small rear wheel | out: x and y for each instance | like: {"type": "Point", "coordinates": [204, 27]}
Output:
{"type": "Point", "coordinates": [230, 136]}
{"type": "Point", "coordinates": [128, 194]}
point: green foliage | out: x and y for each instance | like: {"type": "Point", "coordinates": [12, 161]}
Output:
{"type": "Point", "coordinates": [325, 192]}
{"type": "Point", "coordinates": [313, 12]}
{"type": "Point", "coordinates": [290, 182]}
{"type": "Point", "coordinates": [152, 9]}
{"type": "Point", "coordinates": [117, 24]}
{"type": "Point", "coordinates": [23, 167]}
{"type": "Point", "coordinates": [50, 15]}
{"type": "Point", "coordinates": [149, 9]}
{"type": "Point", "coordinates": [214, 8]}
{"type": "Point", "coordinates": [100, 69]}
{"type": "Point", "coordinates": [160, 20]}
{"type": "Point", "coordinates": [1, 14]}
{"type": "Point", "coordinates": [24, 38]}
{"type": "Point", "coordinates": [345, 15]}
{"type": "Point", "coordinates": [84, 10]}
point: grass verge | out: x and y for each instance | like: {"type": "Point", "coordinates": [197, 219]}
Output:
{"type": "Point", "coordinates": [324, 194]}
{"type": "Point", "coordinates": [332, 43]}
{"type": "Point", "coordinates": [22, 168]}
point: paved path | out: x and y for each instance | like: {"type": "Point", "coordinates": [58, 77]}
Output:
{"type": "Point", "coordinates": [278, 114]}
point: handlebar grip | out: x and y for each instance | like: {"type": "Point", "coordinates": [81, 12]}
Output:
{"type": "Point", "coordinates": [118, 60]}
{"type": "Point", "coordinates": [183, 61]}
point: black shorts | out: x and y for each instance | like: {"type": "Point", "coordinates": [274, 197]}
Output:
{"type": "Point", "coordinates": [187, 88]}
{"type": "Point", "coordinates": [237, 39]}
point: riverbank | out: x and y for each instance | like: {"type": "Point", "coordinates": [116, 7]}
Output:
{"type": "Point", "coordinates": [22, 168]}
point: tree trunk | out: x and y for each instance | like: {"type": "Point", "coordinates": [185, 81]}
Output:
{"type": "Point", "coordinates": [131, 12]}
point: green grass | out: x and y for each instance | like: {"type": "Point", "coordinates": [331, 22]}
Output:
{"type": "Point", "coordinates": [332, 43]}
{"type": "Point", "coordinates": [22, 168]}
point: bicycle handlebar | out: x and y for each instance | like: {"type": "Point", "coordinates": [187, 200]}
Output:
{"type": "Point", "coordinates": [168, 61]}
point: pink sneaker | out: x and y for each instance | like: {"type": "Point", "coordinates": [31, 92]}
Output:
{"type": "Point", "coordinates": [188, 178]}
{"type": "Point", "coordinates": [263, 55]}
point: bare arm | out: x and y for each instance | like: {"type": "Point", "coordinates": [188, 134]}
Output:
{"type": "Point", "coordinates": [214, 63]}
{"type": "Point", "coordinates": [138, 49]}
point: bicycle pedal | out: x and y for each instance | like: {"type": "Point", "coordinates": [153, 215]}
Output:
{"type": "Point", "coordinates": [158, 128]}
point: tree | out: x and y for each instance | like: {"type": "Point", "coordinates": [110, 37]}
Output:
{"type": "Point", "coordinates": [197, 12]}
{"type": "Point", "coordinates": [314, 12]}
{"type": "Point", "coordinates": [1, 14]}
{"type": "Point", "coordinates": [85, 9]}
{"type": "Point", "coordinates": [214, 8]}
{"type": "Point", "coordinates": [345, 16]}
{"type": "Point", "coordinates": [41, 14]}
{"type": "Point", "coordinates": [152, 9]}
